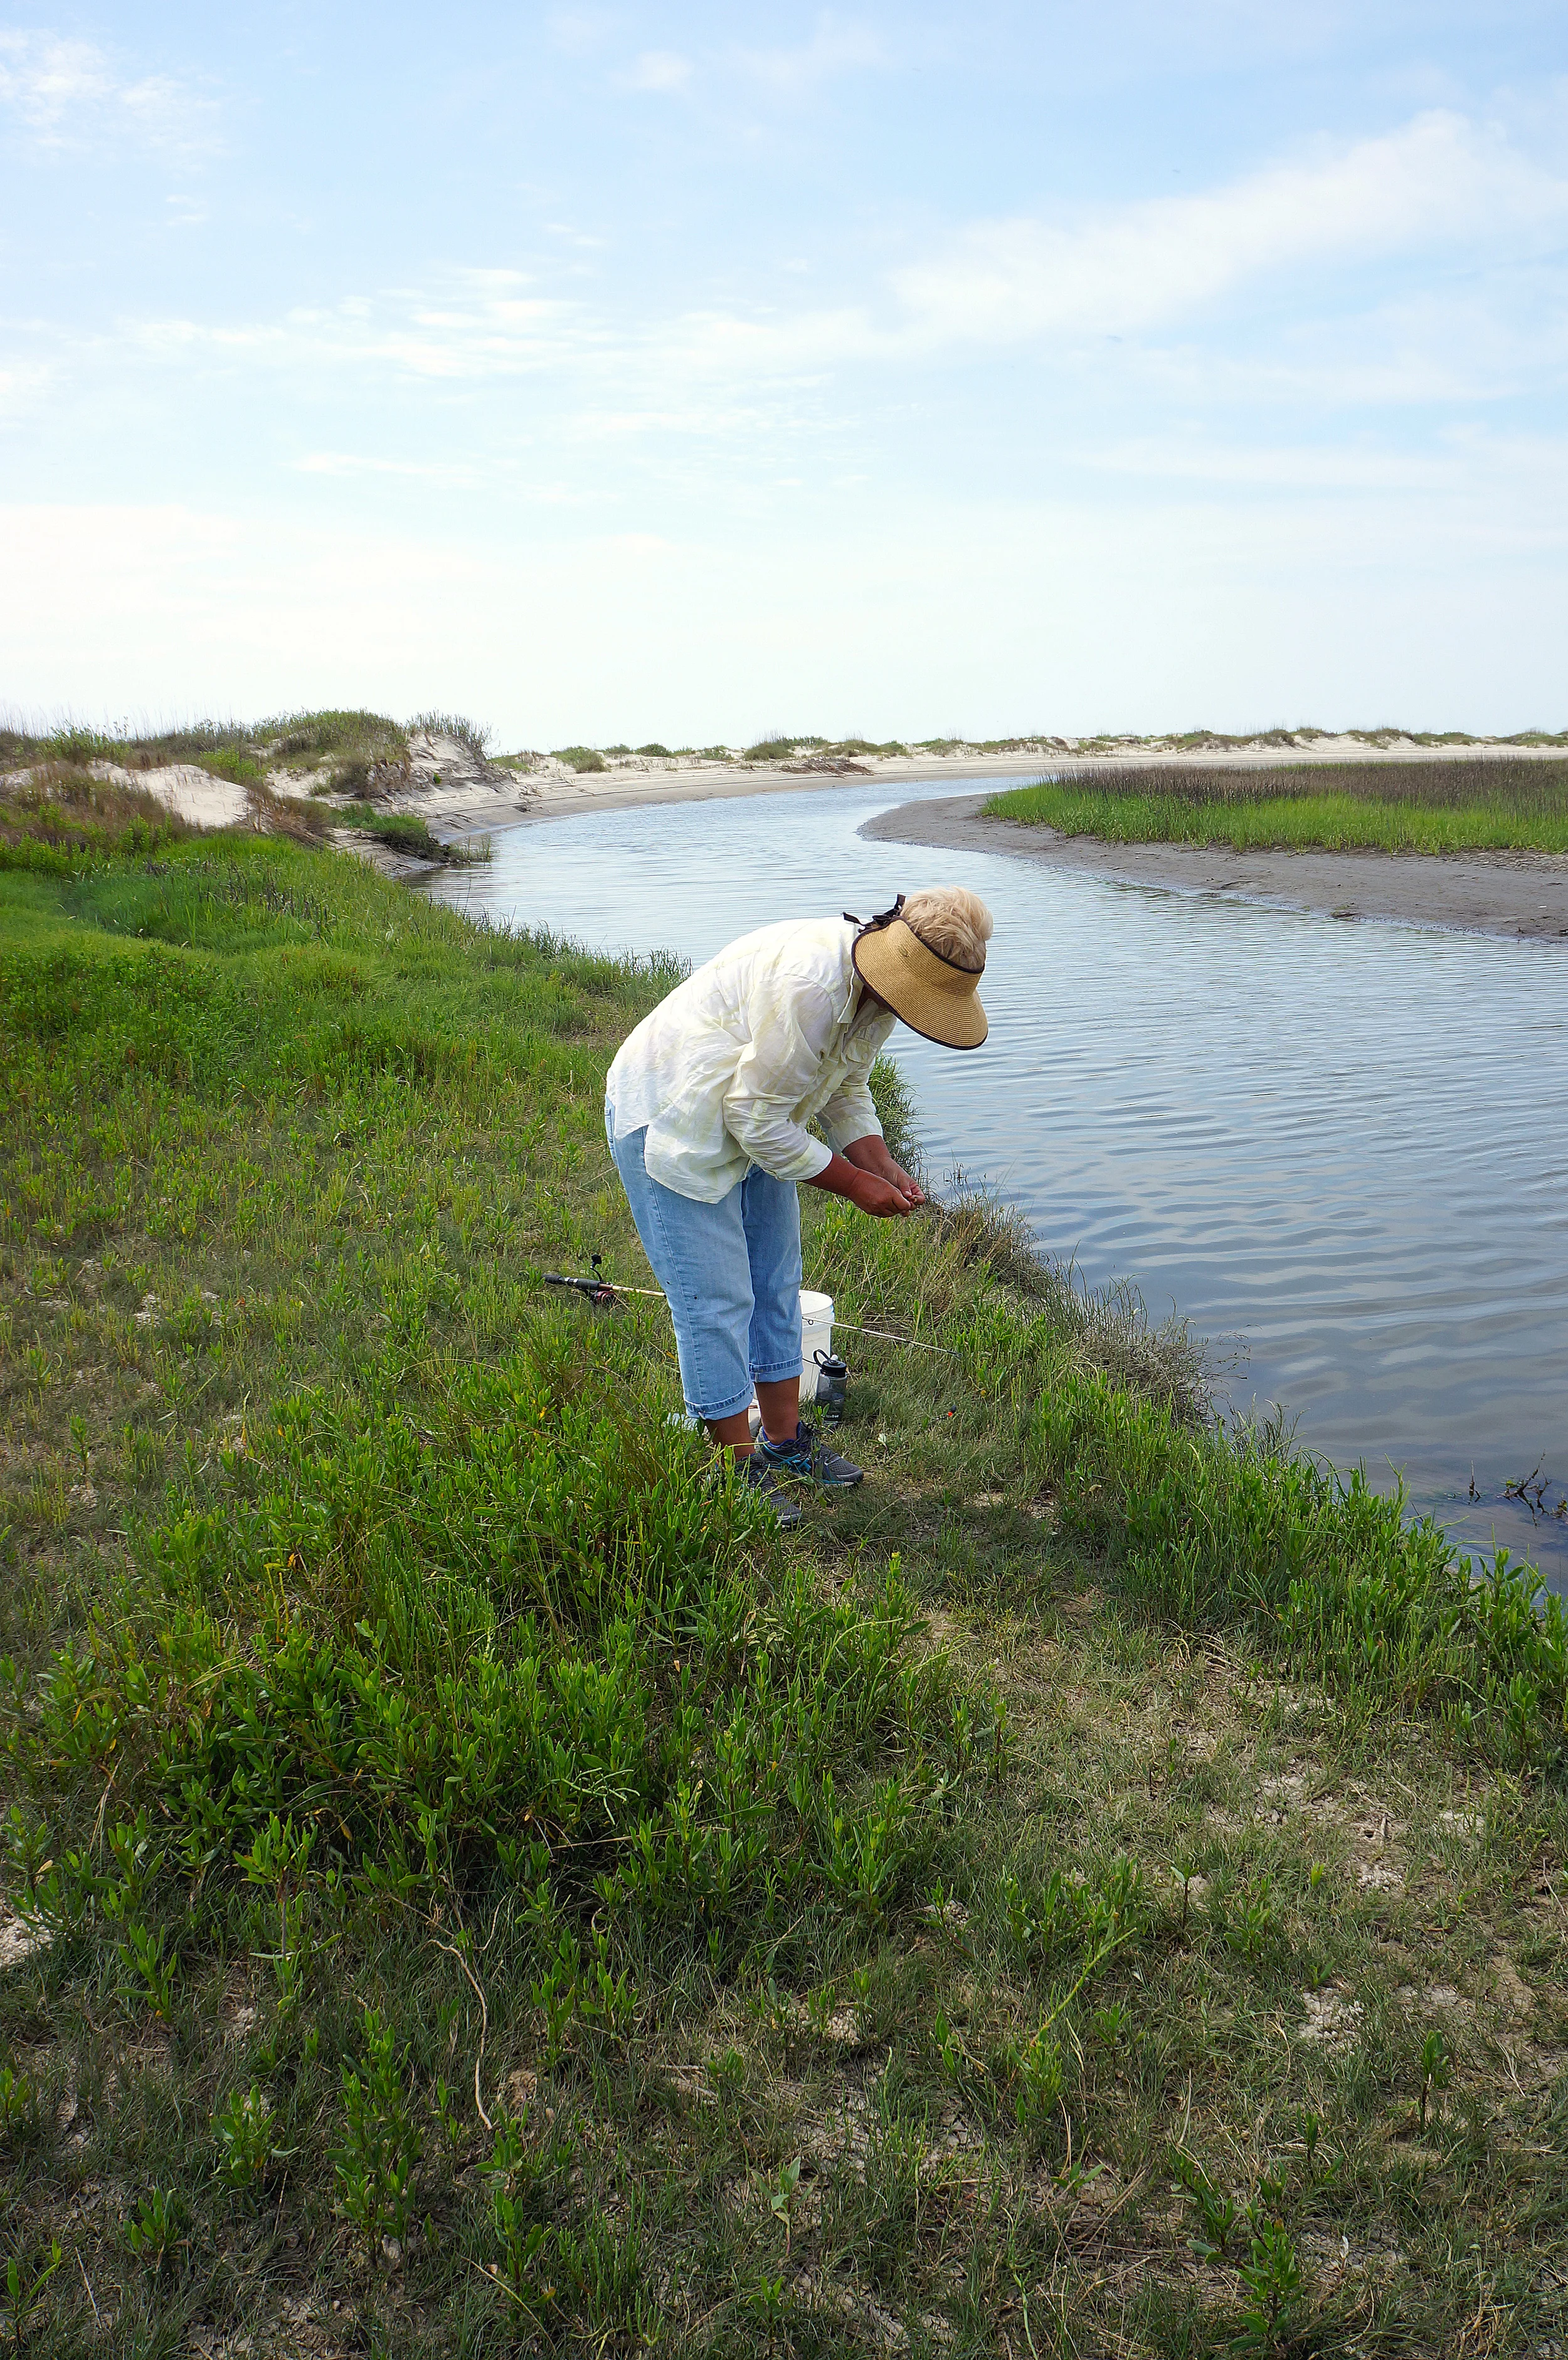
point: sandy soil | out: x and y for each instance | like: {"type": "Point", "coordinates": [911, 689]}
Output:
{"type": "Point", "coordinates": [558, 797]}
{"type": "Point", "coordinates": [456, 793]}
{"type": "Point", "coordinates": [554, 791]}
{"type": "Point", "coordinates": [1478, 892]}
{"type": "Point", "coordinates": [191, 794]}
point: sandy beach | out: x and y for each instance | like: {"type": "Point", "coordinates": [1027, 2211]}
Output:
{"type": "Point", "coordinates": [553, 792]}
{"type": "Point", "coordinates": [455, 796]}
{"type": "Point", "coordinates": [1520, 893]}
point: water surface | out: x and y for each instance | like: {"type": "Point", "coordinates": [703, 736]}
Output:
{"type": "Point", "coordinates": [1345, 1145]}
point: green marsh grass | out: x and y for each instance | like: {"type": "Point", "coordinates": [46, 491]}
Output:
{"type": "Point", "coordinates": [1096, 1888]}
{"type": "Point", "coordinates": [1449, 806]}
{"type": "Point", "coordinates": [409, 833]}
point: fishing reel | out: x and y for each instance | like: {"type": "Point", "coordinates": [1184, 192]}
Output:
{"type": "Point", "coordinates": [597, 1289]}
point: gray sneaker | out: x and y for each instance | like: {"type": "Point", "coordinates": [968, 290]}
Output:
{"type": "Point", "coordinates": [805, 1457]}
{"type": "Point", "coordinates": [759, 1476]}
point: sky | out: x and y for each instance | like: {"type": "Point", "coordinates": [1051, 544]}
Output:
{"type": "Point", "coordinates": [695, 372]}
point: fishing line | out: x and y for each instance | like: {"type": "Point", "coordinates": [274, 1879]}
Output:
{"type": "Point", "coordinates": [605, 1291]}
{"type": "Point", "coordinates": [888, 1337]}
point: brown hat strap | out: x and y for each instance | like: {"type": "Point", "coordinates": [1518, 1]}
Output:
{"type": "Point", "coordinates": [874, 925]}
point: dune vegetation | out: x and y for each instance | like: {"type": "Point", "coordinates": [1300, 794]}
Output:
{"type": "Point", "coordinates": [1458, 804]}
{"type": "Point", "coordinates": [470, 1885]}
{"type": "Point", "coordinates": [74, 790]}
{"type": "Point", "coordinates": [350, 748]}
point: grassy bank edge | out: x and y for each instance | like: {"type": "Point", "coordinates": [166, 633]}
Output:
{"type": "Point", "coordinates": [1448, 807]}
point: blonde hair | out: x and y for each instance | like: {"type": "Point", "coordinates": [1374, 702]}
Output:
{"type": "Point", "coordinates": [952, 921]}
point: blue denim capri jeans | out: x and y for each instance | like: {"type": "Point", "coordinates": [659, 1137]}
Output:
{"type": "Point", "coordinates": [731, 1274]}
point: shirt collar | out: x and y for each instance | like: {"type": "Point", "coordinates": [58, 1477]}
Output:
{"type": "Point", "coordinates": [852, 997]}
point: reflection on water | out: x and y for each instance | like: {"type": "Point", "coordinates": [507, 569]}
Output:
{"type": "Point", "coordinates": [1346, 1144]}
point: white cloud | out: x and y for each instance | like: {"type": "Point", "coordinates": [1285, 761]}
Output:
{"type": "Point", "coordinates": [351, 464]}
{"type": "Point", "coordinates": [23, 387]}
{"type": "Point", "coordinates": [659, 70]}
{"type": "Point", "coordinates": [484, 329]}
{"type": "Point", "coordinates": [1439, 193]}
{"type": "Point", "coordinates": [834, 48]}
{"type": "Point", "coordinates": [45, 78]}
{"type": "Point", "coordinates": [68, 92]}
{"type": "Point", "coordinates": [1473, 311]}
{"type": "Point", "coordinates": [1314, 469]}
{"type": "Point", "coordinates": [578, 32]}
{"type": "Point", "coordinates": [1308, 469]}
{"type": "Point", "coordinates": [1440, 181]}
{"type": "Point", "coordinates": [1475, 336]}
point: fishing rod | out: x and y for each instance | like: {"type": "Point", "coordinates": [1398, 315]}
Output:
{"type": "Point", "coordinates": [601, 1291]}
{"type": "Point", "coordinates": [598, 1288]}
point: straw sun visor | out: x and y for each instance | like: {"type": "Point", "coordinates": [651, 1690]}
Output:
{"type": "Point", "coordinates": [933, 995]}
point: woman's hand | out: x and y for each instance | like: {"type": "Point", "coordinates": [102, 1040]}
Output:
{"type": "Point", "coordinates": [885, 1193]}
{"type": "Point", "coordinates": [870, 1155]}
{"type": "Point", "coordinates": [875, 1196]}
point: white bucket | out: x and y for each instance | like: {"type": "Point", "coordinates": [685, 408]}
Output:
{"type": "Point", "coordinates": [816, 1336]}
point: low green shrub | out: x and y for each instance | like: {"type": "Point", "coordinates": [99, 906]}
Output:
{"type": "Point", "coordinates": [780, 749]}
{"type": "Point", "coordinates": [524, 1643]}
{"type": "Point", "coordinates": [352, 735]}
{"type": "Point", "coordinates": [467, 1832]}
{"type": "Point", "coordinates": [1212, 1529]}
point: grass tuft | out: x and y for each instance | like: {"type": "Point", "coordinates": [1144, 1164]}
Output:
{"type": "Point", "coordinates": [473, 735]}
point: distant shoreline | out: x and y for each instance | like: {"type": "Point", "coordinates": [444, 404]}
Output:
{"type": "Point", "coordinates": [460, 796]}
{"type": "Point", "coordinates": [1520, 894]}
{"type": "Point", "coordinates": [626, 783]}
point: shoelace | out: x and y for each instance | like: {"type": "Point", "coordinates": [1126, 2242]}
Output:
{"type": "Point", "coordinates": [801, 1450]}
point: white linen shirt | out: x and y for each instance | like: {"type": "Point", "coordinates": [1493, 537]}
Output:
{"type": "Point", "coordinates": [732, 1066]}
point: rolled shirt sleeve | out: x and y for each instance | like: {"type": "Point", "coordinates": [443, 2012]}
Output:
{"type": "Point", "coordinates": [774, 1074]}
{"type": "Point", "coordinates": [849, 1114]}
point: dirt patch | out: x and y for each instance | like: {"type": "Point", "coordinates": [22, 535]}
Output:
{"type": "Point", "coordinates": [1514, 1995]}
{"type": "Point", "coordinates": [1333, 2021]}
{"type": "Point", "coordinates": [17, 1941]}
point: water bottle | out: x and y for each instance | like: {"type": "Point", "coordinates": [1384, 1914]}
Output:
{"type": "Point", "coordinates": [833, 1383]}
